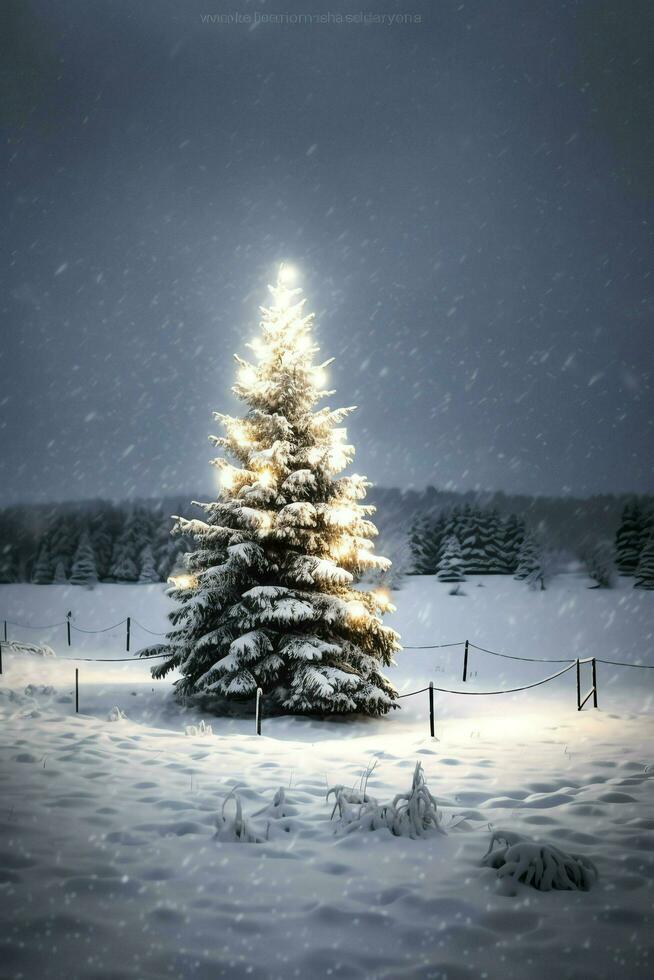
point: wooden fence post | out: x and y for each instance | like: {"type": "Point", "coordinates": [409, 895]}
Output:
{"type": "Point", "coordinates": [129, 632]}
{"type": "Point", "coordinates": [465, 662]}
{"type": "Point", "coordinates": [578, 685]}
{"type": "Point", "coordinates": [77, 690]}
{"type": "Point", "coordinates": [594, 682]}
{"type": "Point", "coordinates": [431, 708]}
{"type": "Point", "coordinates": [258, 710]}
{"type": "Point", "coordinates": [0, 658]}
{"type": "Point", "coordinates": [5, 630]}
{"type": "Point", "coordinates": [68, 615]}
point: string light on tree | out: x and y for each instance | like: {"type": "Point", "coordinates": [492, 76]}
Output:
{"type": "Point", "coordinates": [273, 604]}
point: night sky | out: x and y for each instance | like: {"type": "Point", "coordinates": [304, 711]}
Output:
{"type": "Point", "coordinates": [469, 200]}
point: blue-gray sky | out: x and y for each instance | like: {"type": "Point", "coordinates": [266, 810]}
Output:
{"type": "Point", "coordinates": [469, 199]}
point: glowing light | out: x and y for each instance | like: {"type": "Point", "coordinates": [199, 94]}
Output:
{"type": "Point", "coordinates": [362, 555]}
{"type": "Point", "coordinates": [342, 549]}
{"type": "Point", "coordinates": [247, 375]}
{"type": "Point", "coordinates": [342, 516]}
{"type": "Point", "coordinates": [265, 522]}
{"type": "Point", "coordinates": [319, 377]}
{"type": "Point", "coordinates": [383, 599]}
{"type": "Point", "coordinates": [241, 436]}
{"type": "Point", "coordinates": [338, 436]}
{"type": "Point", "coordinates": [226, 479]}
{"type": "Point", "coordinates": [356, 610]}
{"type": "Point", "coordinates": [287, 274]}
{"type": "Point", "coordinates": [265, 478]}
{"type": "Point", "coordinates": [183, 581]}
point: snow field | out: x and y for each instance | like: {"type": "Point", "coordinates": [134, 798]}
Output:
{"type": "Point", "coordinates": [109, 866]}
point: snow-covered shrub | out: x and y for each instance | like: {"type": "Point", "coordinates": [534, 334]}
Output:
{"type": "Point", "coordinates": [413, 814]}
{"type": "Point", "coordinates": [543, 866]}
{"type": "Point", "coordinates": [116, 714]}
{"type": "Point", "coordinates": [31, 649]}
{"type": "Point", "coordinates": [201, 729]}
{"type": "Point", "coordinates": [235, 829]}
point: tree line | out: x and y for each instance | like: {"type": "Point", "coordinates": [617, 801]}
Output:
{"type": "Point", "coordinates": [94, 543]}
{"type": "Point", "coordinates": [476, 540]}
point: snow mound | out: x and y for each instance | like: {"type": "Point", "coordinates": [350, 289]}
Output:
{"type": "Point", "coordinates": [116, 714]}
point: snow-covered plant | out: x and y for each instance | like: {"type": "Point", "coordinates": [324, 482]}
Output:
{"type": "Point", "coordinates": [116, 714]}
{"type": "Point", "coordinates": [413, 814]}
{"type": "Point", "coordinates": [235, 829]}
{"type": "Point", "coordinates": [201, 729]}
{"type": "Point", "coordinates": [269, 598]}
{"type": "Point", "coordinates": [84, 571]}
{"type": "Point", "coordinates": [30, 649]}
{"type": "Point", "coordinates": [543, 866]}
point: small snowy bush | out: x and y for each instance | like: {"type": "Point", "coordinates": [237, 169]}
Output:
{"type": "Point", "coordinates": [116, 714]}
{"type": "Point", "coordinates": [543, 866]}
{"type": "Point", "coordinates": [413, 814]}
{"type": "Point", "coordinates": [201, 729]}
{"type": "Point", "coordinates": [236, 829]}
{"type": "Point", "coordinates": [32, 649]}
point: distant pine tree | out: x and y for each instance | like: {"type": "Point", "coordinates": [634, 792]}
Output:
{"type": "Point", "coordinates": [126, 555]}
{"type": "Point", "coordinates": [84, 571]}
{"type": "Point", "coordinates": [530, 566]}
{"type": "Point", "coordinates": [42, 571]}
{"type": "Point", "coordinates": [514, 533]}
{"type": "Point", "coordinates": [600, 567]}
{"type": "Point", "coordinates": [8, 570]}
{"type": "Point", "coordinates": [148, 570]}
{"type": "Point", "coordinates": [645, 570]}
{"type": "Point", "coordinates": [630, 538]}
{"type": "Point", "coordinates": [450, 565]}
{"type": "Point", "coordinates": [425, 539]}
{"type": "Point", "coordinates": [60, 574]}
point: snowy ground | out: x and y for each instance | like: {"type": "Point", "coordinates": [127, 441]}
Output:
{"type": "Point", "coordinates": [108, 863]}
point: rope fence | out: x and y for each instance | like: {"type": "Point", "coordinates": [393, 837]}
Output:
{"type": "Point", "coordinates": [466, 644]}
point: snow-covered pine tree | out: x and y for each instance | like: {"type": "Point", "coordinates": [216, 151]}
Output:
{"type": "Point", "coordinates": [450, 565]}
{"type": "Point", "coordinates": [426, 538]}
{"type": "Point", "coordinates": [148, 571]}
{"type": "Point", "coordinates": [599, 565]}
{"type": "Point", "coordinates": [645, 571]}
{"type": "Point", "coordinates": [494, 544]}
{"type": "Point", "coordinates": [126, 556]}
{"type": "Point", "coordinates": [630, 538]}
{"type": "Point", "coordinates": [514, 532]}
{"type": "Point", "coordinates": [8, 570]}
{"type": "Point", "coordinates": [530, 565]}
{"type": "Point", "coordinates": [42, 571]}
{"type": "Point", "coordinates": [473, 551]}
{"type": "Point", "coordinates": [84, 571]}
{"type": "Point", "coordinates": [60, 574]}
{"type": "Point", "coordinates": [269, 600]}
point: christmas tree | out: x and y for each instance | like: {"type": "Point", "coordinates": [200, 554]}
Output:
{"type": "Point", "coordinates": [84, 571]}
{"type": "Point", "coordinates": [645, 571]}
{"type": "Point", "coordinates": [269, 599]}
